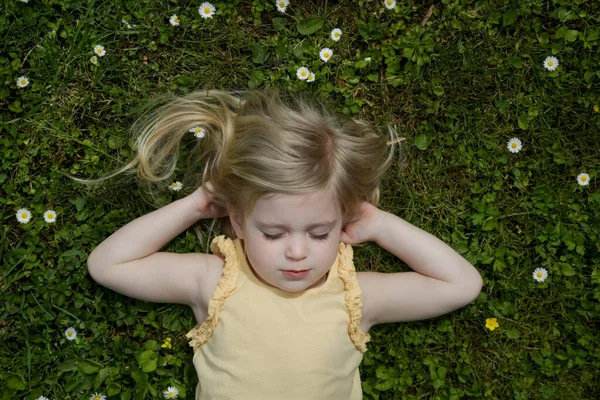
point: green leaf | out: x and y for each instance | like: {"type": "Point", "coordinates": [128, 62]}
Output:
{"type": "Point", "coordinates": [113, 388]}
{"type": "Point", "coordinates": [515, 62]}
{"type": "Point", "coordinates": [512, 333]}
{"type": "Point", "coordinates": [148, 361]}
{"type": "Point", "coordinates": [438, 90]}
{"type": "Point", "coordinates": [509, 17]}
{"type": "Point", "coordinates": [69, 365]}
{"type": "Point", "coordinates": [567, 269]}
{"type": "Point", "coordinates": [556, 48]}
{"type": "Point", "coordinates": [422, 141]}
{"type": "Point", "coordinates": [115, 142]}
{"type": "Point", "coordinates": [278, 23]}
{"type": "Point", "coordinates": [571, 35]}
{"type": "Point", "coordinates": [87, 367]}
{"type": "Point", "coordinates": [310, 25]}
{"type": "Point", "coordinates": [491, 210]}
{"type": "Point", "coordinates": [523, 121]}
{"type": "Point", "coordinates": [104, 372]}
{"type": "Point", "coordinates": [490, 224]}
{"type": "Point", "coordinates": [14, 382]}
{"type": "Point", "coordinates": [259, 54]}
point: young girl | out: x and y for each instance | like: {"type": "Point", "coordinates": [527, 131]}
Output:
{"type": "Point", "coordinates": [281, 311]}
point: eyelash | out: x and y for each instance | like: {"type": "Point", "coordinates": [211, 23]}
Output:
{"type": "Point", "coordinates": [317, 237]}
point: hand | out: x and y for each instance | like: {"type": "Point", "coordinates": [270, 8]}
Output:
{"type": "Point", "coordinates": [365, 227]}
{"type": "Point", "coordinates": [205, 204]}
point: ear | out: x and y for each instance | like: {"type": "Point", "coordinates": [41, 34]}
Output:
{"type": "Point", "coordinates": [236, 222]}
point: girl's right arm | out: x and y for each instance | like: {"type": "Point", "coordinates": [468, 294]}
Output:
{"type": "Point", "coordinates": [129, 263]}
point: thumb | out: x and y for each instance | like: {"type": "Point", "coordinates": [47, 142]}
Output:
{"type": "Point", "coordinates": [345, 238]}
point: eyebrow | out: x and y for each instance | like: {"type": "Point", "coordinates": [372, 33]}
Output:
{"type": "Point", "coordinates": [311, 226]}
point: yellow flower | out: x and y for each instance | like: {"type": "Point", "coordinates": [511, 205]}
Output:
{"type": "Point", "coordinates": [167, 343]}
{"type": "Point", "coordinates": [596, 108]}
{"type": "Point", "coordinates": [491, 323]}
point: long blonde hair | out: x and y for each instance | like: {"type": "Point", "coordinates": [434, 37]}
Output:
{"type": "Point", "coordinates": [259, 142]}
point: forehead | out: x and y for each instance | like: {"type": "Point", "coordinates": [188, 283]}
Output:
{"type": "Point", "coordinates": [306, 208]}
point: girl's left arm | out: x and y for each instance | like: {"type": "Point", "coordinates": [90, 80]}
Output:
{"type": "Point", "coordinates": [442, 281]}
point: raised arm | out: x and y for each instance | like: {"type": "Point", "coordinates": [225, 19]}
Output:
{"type": "Point", "coordinates": [128, 261]}
{"type": "Point", "coordinates": [442, 281]}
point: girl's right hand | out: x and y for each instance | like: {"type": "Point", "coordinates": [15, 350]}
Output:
{"type": "Point", "coordinates": [205, 205]}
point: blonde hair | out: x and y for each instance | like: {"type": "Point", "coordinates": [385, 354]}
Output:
{"type": "Point", "coordinates": [259, 142]}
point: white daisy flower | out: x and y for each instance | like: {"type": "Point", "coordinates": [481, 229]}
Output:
{"type": "Point", "coordinates": [174, 20]}
{"type": "Point", "coordinates": [583, 179]}
{"type": "Point", "coordinates": [126, 23]}
{"type": "Point", "coordinates": [326, 54]}
{"type": "Point", "coordinates": [176, 186]}
{"type": "Point", "coordinates": [514, 145]}
{"type": "Point", "coordinates": [22, 81]}
{"type": "Point", "coordinates": [94, 60]}
{"type": "Point", "coordinates": [336, 34]}
{"type": "Point", "coordinates": [302, 73]}
{"type": "Point", "coordinates": [367, 59]}
{"type": "Point", "coordinates": [99, 50]}
{"type": "Point", "coordinates": [23, 215]}
{"type": "Point", "coordinates": [282, 4]}
{"type": "Point", "coordinates": [50, 216]}
{"type": "Point", "coordinates": [390, 4]}
{"type": "Point", "coordinates": [71, 333]}
{"type": "Point", "coordinates": [171, 392]}
{"type": "Point", "coordinates": [199, 132]}
{"type": "Point", "coordinates": [25, 1]}
{"type": "Point", "coordinates": [206, 10]}
{"type": "Point", "coordinates": [41, 397]}
{"type": "Point", "coordinates": [551, 63]}
{"type": "Point", "coordinates": [540, 274]}
{"type": "Point", "coordinates": [97, 396]}
{"type": "Point", "coordinates": [311, 78]}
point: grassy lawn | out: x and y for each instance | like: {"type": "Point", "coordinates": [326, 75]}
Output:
{"type": "Point", "coordinates": [458, 78]}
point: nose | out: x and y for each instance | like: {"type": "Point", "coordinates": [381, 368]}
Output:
{"type": "Point", "coordinates": [296, 248]}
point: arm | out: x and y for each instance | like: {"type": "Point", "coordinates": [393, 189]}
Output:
{"type": "Point", "coordinates": [425, 254]}
{"type": "Point", "coordinates": [442, 280]}
{"type": "Point", "coordinates": [129, 263]}
{"type": "Point", "coordinates": [145, 235]}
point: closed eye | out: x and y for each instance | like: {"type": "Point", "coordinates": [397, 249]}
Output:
{"type": "Point", "coordinates": [274, 237]}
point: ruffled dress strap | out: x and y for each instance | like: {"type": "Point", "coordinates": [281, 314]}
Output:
{"type": "Point", "coordinates": [225, 248]}
{"type": "Point", "coordinates": [347, 274]}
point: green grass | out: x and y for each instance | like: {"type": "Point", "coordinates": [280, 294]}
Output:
{"type": "Point", "coordinates": [477, 79]}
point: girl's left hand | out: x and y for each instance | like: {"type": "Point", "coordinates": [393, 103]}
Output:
{"type": "Point", "coordinates": [365, 228]}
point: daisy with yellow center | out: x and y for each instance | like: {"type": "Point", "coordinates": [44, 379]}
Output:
{"type": "Point", "coordinates": [174, 20]}
{"type": "Point", "coordinates": [199, 132]}
{"type": "Point", "coordinates": [514, 145]}
{"type": "Point", "coordinates": [540, 274]}
{"type": "Point", "coordinates": [491, 323]}
{"type": "Point", "coordinates": [176, 186]}
{"type": "Point", "coordinates": [22, 81]}
{"type": "Point", "coordinates": [551, 63]}
{"type": "Point", "coordinates": [282, 5]}
{"type": "Point", "coordinates": [326, 54]}
{"type": "Point", "coordinates": [206, 10]}
{"type": "Point", "coordinates": [390, 4]}
{"type": "Point", "coordinates": [94, 60]}
{"type": "Point", "coordinates": [336, 34]}
{"type": "Point", "coordinates": [23, 215]}
{"type": "Point", "coordinates": [302, 73]}
{"type": "Point", "coordinates": [311, 78]}
{"type": "Point", "coordinates": [171, 393]}
{"type": "Point", "coordinates": [97, 396]}
{"type": "Point", "coordinates": [583, 179]}
{"type": "Point", "coordinates": [71, 333]}
{"type": "Point", "coordinates": [42, 398]}
{"type": "Point", "coordinates": [50, 216]}
{"type": "Point", "coordinates": [99, 50]}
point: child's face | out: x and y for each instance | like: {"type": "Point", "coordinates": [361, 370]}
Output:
{"type": "Point", "coordinates": [296, 245]}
